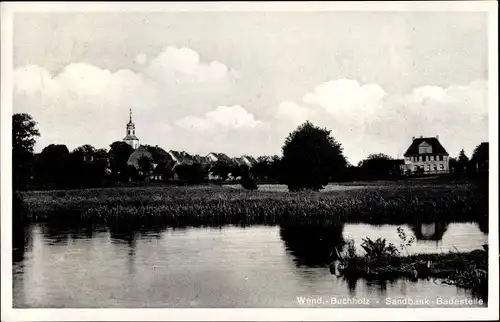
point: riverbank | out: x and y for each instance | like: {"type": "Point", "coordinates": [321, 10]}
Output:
{"type": "Point", "coordinates": [465, 270]}
{"type": "Point", "coordinates": [200, 205]}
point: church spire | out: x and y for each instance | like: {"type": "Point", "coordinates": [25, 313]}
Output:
{"type": "Point", "coordinates": [130, 137]}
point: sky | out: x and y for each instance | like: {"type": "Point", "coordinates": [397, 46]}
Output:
{"type": "Point", "coordinates": [240, 82]}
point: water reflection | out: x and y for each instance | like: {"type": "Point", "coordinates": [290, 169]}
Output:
{"type": "Point", "coordinates": [230, 266]}
{"type": "Point", "coordinates": [430, 231]}
{"type": "Point", "coordinates": [312, 244]}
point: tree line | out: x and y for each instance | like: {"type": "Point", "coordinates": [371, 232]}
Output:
{"type": "Point", "coordinates": [311, 158]}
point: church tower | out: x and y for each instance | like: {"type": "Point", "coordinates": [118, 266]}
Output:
{"type": "Point", "coordinates": [130, 138]}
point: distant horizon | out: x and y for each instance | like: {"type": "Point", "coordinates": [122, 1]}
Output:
{"type": "Point", "coordinates": [399, 156]}
{"type": "Point", "coordinates": [241, 85]}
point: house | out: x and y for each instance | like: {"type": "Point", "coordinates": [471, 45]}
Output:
{"type": "Point", "coordinates": [426, 156]}
{"type": "Point", "coordinates": [159, 158]}
{"type": "Point", "coordinates": [216, 157]}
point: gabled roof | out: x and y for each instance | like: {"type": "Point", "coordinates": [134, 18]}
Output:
{"type": "Point", "coordinates": [181, 157]}
{"type": "Point", "coordinates": [239, 161]}
{"type": "Point", "coordinates": [134, 157]}
{"type": "Point", "coordinates": [437, 148]}
{"type": "Point", "coordinates": [222, 157]}
{"type": "Point", "coordinates": [162, 167]}
{"type": "Point", "coordinates": [251, 159]}
{"type": "Point", "coordinates": [201, 159]}
{"type": "Point", "coordinates": [158, 154]}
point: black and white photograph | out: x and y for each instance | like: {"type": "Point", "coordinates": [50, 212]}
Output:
{"type": "Point", "coordinates": [331, 157]}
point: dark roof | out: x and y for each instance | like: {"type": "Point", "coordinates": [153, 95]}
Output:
{"type": "Point", "coordinates": [239, 161]}
{"type": "Point", "coordinates": [251, 159]}
{"type": "Point", "coordinates": [159, 155]}
{"type": "Point", "coordinates": [201, 159]}
{"type": "Point", "coordinates": [162, 167]}
{"type": "Point", "coordinates": [182, 157]}
{"type": "Point", "coordinates": [437, 148]}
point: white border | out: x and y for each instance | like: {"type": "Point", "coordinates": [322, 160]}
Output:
{"type": "Point", "coordinates": [9, 314]}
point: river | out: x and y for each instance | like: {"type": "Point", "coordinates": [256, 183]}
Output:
{"type": "Point", "coordinates": [230, 266]}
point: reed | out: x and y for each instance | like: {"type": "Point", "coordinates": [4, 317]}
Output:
{"type": "Point", "coordinates": [224, 205]}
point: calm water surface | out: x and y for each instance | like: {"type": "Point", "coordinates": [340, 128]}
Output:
{"type": "Point", "coordinates": [257, 266]}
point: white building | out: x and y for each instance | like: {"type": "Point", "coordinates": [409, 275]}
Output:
{"type": "Point", "coordinates": [427, 156]}
{"type": "Point", "coordinates": [130, 137]}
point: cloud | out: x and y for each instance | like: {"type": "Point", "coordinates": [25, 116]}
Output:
{"type": "Point", "coordinates": [223, 118]}
{"type": "Point", "coordinates": [290, 110]}
{"type": "Point", "coordinates": [141, 58]}
{"type": "Point", "coordinates": [366, 119]}
{"type": "Point", "coordinates": [83, 99]}
{"type": "Point", "coordinates": [184, 65]}
{"type": "Point", "coordinates": [343, 96]}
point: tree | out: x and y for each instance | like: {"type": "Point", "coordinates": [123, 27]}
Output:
{"type": "Point", "coordinates": [462, 157]}
{"type": "Point", "coordinates": [118, 158]}
{"type": "Point", "coordinates": [87, 166]}
{"type": "Point", "coordinates": [378, 166]}
{"type": "Point", "coordinates": [24, 134]}
{"type": "Point", "coordinates": [481, 156]}
{"type": "Point", "coordinates": [222, 169]}
{"type": "Point", "coordinates": [191, 173]}
{"type": "Point", "coordinates": [145, 164]}
{"type": "Point", "coordinates": [311, 158]}
{"type": "Point", "coordinates": [52, 167]}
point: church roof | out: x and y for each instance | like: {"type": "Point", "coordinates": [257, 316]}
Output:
{"type": "Point", "coordinates": [131, 137]}
{"type": "Point", "coordinates": [437, 148]}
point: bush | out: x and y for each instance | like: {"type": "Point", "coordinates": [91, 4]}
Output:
{"type": "Point", "coordinates": [249, 183]}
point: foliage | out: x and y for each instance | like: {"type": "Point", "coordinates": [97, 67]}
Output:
{"type": "Point", "coordinates": [248, 182]}
{"type": "Point", "coordinates": [379, 166]}
{"type": "Point", "coordinates": [266, 168]}
{"type": "Point", "coordinates": [222, 169]}
{"type": "Point", "coordinates": [311, 158]}
{"type": "Point", "coordinates": [378, 248]}
{"type": "Point", "coordinates": [209, 204]}
{"type": "Point", "coordinates": [462, 157]}
{"type": "Point", "coordinates": [87, 167]}
{"type": "Point", "coordinates": [191, 173]}
{"type": "Point", "coordinates": [349, 250]}
{"type": "Point", "coordinates": [52, 167]}
{"type": "Point", "coordinates": [145, 164]}
{"type": "Point", "coordinates": [24, 134]}
{"type": "Point", "coordinates": [118, 157]}
{"type": "Point", "coordinates": [405, 241]}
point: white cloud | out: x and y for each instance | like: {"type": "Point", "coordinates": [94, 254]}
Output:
{"type": "Point", "coordinates": [141, 59]}
{"type": "Point", "coordinates": [292, 111]}
{"type": "Point", "coordinates": [366, 119]}
{"type": "Point", "coordinates": [184, 65]}
{"type": "Point", "coordinates": [84, 99]}
{"type": "Point", "coordinates": [223, 118]}
{"type": "Point", "coordinates": [345, 96]}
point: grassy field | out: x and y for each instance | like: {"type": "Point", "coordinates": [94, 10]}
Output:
{"type": "Point", "coordinates": [394, 203]}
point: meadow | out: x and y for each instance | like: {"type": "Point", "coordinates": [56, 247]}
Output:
{"type": "Point", "coordinates": [395, 203]}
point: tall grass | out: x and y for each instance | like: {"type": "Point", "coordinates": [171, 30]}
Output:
{"type": "Point", "coordinates": [223, 205]}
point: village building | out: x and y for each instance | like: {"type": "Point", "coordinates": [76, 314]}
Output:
{"type": "Point", "coordinates": [130, 137]}
{"type": "Point", "coordinates": [426, 156]}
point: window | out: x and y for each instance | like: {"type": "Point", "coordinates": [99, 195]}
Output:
{"type": "Point", "coordinates": [441, 166]}
{"type": "Point", "coordinates": [428, 167]}
{"type": "Point", "coordinates": [441, 158]}
{"type": "Point", "coordinates": [432, 158]}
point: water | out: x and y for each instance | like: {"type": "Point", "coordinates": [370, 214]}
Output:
{"type": "Point", "coordinates": [257, 266]}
